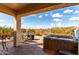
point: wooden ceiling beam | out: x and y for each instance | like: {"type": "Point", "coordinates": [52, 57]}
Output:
{"type": "Point", "coordinates": [51, 7]}
{"type": "Point", "coordinates": [7, 10]}
{"type": "Point", "coordinates": [34, 8]}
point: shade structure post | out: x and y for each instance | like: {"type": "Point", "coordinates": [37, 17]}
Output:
{"type": "Point", "coordinates": [18, 39]}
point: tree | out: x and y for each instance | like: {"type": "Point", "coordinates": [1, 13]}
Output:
{"type": "Point", "coordinates": [5, 31]}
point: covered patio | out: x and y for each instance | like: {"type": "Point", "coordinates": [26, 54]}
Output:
{"type": "Point", "coordinates": [18, 10]}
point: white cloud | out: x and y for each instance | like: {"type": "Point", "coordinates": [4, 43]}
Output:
{"type": "Point", "coordinates": [68, 11]}
{"type": "Point", "coordinates": [32, 15]}
{"type": "Point", "coordinates": [23, 26]}
{"type": "Point", "coordinates": [38, 27]}
{"type": "Point", "coordinates": [74, 18]}
{"type": "Point", "coordinates": [57, 15]}
{"type": "Point", "coordinates": [53, 24]}
{"type": "Point", "coordinates": [77, 11]}
{"type": "Point", "coordinates": [59, 24]}
{"type": "Point", "coordinates": [72, 25]}
{"type": "Point", "coordinates": [22, 20]}
{"type": "Point", "coordinates": [2, 24]}
{"type": "Point", "coordinates": [46, 14]}
{"type": "Point", "coordinates": [9, 24]}
{"type": "Point", "coordinates": [1, 20]}
{"type": "Point", "coordinates": [57, 20]}
{"type": "Point", "coordinates": [40, 16]}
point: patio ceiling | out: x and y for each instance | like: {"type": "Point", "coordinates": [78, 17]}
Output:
{"type": "Point", "coordinates": [24, 9]}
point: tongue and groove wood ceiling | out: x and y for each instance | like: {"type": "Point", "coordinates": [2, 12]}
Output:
{"type": "Point", "coordinates": [21, 8]}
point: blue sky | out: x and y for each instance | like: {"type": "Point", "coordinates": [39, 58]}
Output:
{"type": "Point", "coordinates": [68, 16]}
{"type": "Point", "coordinates": [6, 20]}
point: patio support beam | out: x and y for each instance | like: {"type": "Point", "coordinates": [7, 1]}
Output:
{"type": "Point", "coordinates": [52, 7]}
{"type": "Point", "coordinates": [17, 40]}
{"type": "Point", "coordinates": [7, 10]}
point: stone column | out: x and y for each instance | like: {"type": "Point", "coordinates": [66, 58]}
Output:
{"type": "Point", "coordinates": [17, 40]}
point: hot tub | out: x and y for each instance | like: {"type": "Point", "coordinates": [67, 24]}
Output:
{"type": "Point", "coordinates": [59, 42]}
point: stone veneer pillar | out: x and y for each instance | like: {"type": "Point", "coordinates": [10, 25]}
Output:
{"type": "Point", "coordinates": [18, 39]}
